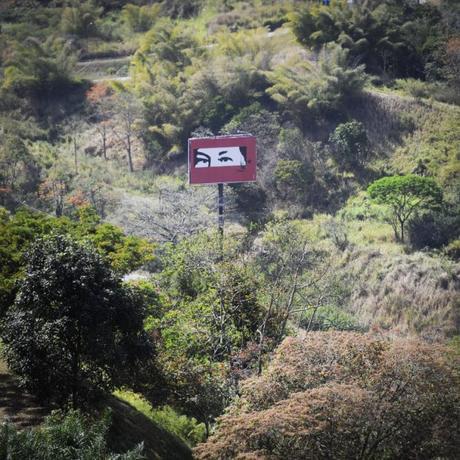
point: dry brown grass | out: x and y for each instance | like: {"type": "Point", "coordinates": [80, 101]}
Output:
{"type": "Point", "coordinates": [410, 294]}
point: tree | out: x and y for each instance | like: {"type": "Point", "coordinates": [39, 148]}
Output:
{"type": "Point", "coordinates": [211, 314]}
{"type": "Point", "coordinates": [128, 112]}
{"type": "Point", "coordinates": [395, 38]}
{"type": "Point", "coordinates": [100, 99]}
{"type": "Point", "coordinates": [80, 18]}
{"type": "Point", "coordinates": [350, 143]}
{"type": "Point", "coordinates": [19, 172]}
{"type": "Point", "coordinates": [345, 395]}
{"type": "Point", "coordinates": [319, 89]}
{"type": "Point", "coordinates": [405, 195]}
{"type": "Point", "coordinates": [41, 71]}
{"type": "Point", "coordinates": [73, 329]}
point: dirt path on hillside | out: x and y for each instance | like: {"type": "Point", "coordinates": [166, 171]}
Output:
{"type": "Point", "coordinates": [17, 406]}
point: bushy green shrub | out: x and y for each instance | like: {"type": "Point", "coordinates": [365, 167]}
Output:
{"type": "Point", "coordinates": [308, 91]}
{"type": "Point", "coordinates": [293, 179]}
{"type": "Point", "coordinates": [64, 437]}
{"type": "Point", "coordinates": [331, 318]}
{"type": "Point", "coordinates": [433, 230]}
{"type": "Point", "coordinates": [80, 18]}
{"type": "Point", "coordinates": [41, 70]}
{"type": "Point", "coordinates": [415, 88]}
{"type": "Point", "coordinates": [350, 144]}
{"type": "Point", "coordinates": [74, 330]}
{"type": "Point", "coordinates": [140, 18]}
{"type": "Point", "coordinates": [186, 428]}
{"type": "Point", "coordinates": [453, 250]}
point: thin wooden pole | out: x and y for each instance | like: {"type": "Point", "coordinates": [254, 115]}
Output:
{"type": "Point", "coordinates": [221, 218]}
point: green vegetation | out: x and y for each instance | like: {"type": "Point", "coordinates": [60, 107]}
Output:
{"type": "Point", "coordinates": [350, 143]}
{"type": "Point", "coordinates": [73, 328]}
{"type": "Point", "coordinates": [405, 195]}
{"type": "Point", "coordinates": [188, 429]}
{"type": "Point", "coordinates": [67, 436]}
{"type": "Point", "coordinates": [112, 276]}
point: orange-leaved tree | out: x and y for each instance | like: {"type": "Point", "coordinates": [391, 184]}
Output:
{"type": "Point", "coordinates": [345, 395]}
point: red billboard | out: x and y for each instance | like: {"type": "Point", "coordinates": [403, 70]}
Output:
{"type": "Point", "coordinates": [222, 159]}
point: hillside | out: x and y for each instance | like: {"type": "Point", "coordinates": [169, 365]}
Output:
{"type": "Point", "coordinates": [128, 426]}
{"type": "Point", "coordinates": [116, 279]}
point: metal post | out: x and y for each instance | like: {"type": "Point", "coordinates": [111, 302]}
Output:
{"type": "Point", "coordinates": [221, 218]}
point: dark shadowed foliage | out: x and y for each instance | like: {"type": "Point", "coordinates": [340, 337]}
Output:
{"type": "Point", "coordinates": [74, 328]}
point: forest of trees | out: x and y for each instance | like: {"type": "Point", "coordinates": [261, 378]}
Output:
{"type": "Point", "coordinates": [325, 323]}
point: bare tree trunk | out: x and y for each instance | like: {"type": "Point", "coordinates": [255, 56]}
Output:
{"type": "Point", "coordinates": [128, 149]}
{"type": "Point", "coordinates": [75, 154]}
{"type": "Point", "coordinates": [104, 143]}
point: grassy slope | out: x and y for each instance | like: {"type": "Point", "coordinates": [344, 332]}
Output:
{"type": "Point", "coordinates": [129, 426]}
{"type": "Point", "coordinates": [409, 293]}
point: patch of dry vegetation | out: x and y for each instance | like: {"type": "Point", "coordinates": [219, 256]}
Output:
{"type": "Point", "coordinates": [414, 293]}
{"type": "Point", "coordinates": [344, 395]}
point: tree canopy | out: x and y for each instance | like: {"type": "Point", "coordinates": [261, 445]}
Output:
{"type": "Point", "coordinates": [344, 395]}
{"type": "Point", "coordinates": [74, 327]}
{"type": "Point", "coordinates": [405, 195]}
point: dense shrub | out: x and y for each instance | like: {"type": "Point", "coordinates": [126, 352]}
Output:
{"type": "Point", "coordinates": [350, 144]}
{"type": "Point", "coordinates": [307, 91]}
{"type": "Point", "coordinates": [186, 428]}
{"type": "Point", "coordinates": [453, 250]}
{"type": "Point", "coordinates": [80, 18]}
{"type": "Point", "coordinates": [433, 230]}
{"type": "Point", "coordinates": [74, 329]}
{"type": "Point", "coordinates": [40, 71]}
{"type": "Point", "coordinates": [140, 18]}
{"type": "Point", "coordinates": [293, 179]}
{"type": "Point", "coordinates": [62, 436]}
{"type": "Point", "coordinates": [345, 395]}
{"type": "Point", "coordinates": [396, 38]}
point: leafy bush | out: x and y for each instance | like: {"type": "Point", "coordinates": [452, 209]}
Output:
{"type": "Point", "coordinates": [306, 90]}
{"type": "Point", "coordinates": [188, 429]}
{"type": "Point", "coordinates": [345, 395]}
{"type": "Point", "coordinates": [453, 250]}
{"type": "Point", "coordinates": [140, 18]}
{"type": "Point", "coordinates": [39, 70]}
{"type": "Point", "coordinates": [293, 179]}
{"type": "Point", "coordinates": [74, 329]}
{"type": "Point", "coordinates": [80, 18]}
{"type": "Point", "coordinates": [350, 144]}
{"type": "Point", "coordinates": [337, 231]}
{"type": "Point", "coordinates": [433, 230]}
{"type": "Point", "coordinates": [415, 88]}
{"type": "Point", "coordinates": [64, 436]}
{"type": "Point", "coordinates": [331, 318]}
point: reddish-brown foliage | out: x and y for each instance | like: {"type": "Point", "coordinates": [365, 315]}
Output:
{"type": "Point", "coordinates": [97, 92]}
{"type": "Point", "coordinates": [345, 395]}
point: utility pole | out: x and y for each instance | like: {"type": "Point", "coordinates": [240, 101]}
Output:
{"type": "Point", "coordinates": [220, 188]}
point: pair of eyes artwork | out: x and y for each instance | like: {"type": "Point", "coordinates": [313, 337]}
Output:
{"type": "Point", "coordinates": [222, 159]}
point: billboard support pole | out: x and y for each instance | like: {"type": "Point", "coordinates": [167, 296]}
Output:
{"type": "Point", "coordinates": [220, 188]}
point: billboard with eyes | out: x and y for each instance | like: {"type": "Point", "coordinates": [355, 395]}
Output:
{"type": "Point", "coordinates": [222, 159]}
